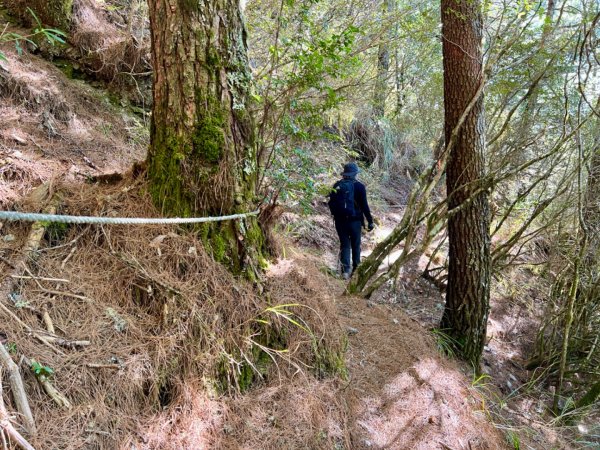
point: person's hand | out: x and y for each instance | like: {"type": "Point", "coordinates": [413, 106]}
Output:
{"type": "Point", "coordinates": [370, 227]}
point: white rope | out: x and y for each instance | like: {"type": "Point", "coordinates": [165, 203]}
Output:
{"type": "Point", "coordinates": [35, 217]}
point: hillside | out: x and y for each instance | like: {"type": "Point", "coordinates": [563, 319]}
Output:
{"type": "Point", "coordinates": [472, 319]}
{"type": "Point", "coordinates": [64, 134]}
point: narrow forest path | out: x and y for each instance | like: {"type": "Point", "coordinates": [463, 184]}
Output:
{"type": "Point", "coordinates": [402, 393]}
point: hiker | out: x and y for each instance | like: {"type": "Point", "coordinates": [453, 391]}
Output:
{"type": "Point", "coordinates": [349, 207]}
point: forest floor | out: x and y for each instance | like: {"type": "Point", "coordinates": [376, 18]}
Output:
{"type": "Point", "coordinates": [400, 393]}
{"type": "Point", "coordinates": [384, 329]}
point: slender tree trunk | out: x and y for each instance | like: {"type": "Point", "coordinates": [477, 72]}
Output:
{"type": "Point", "coordinates": [467, 298]}
{"type": "Point", "coordinates": [400, 82]}
{"type": "Point", "coordinates": [383, 65]}
{"type": "Point", "coordinates": [591, 210]}
{"type": "Point", "coordinates": [202, 157]}
{"type": "Point", "coordinates": [532, 101]}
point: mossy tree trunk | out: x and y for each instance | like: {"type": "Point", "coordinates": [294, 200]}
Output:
{"type": "Point", "coordinates": [52, 13]}
{"type": "Point", "coordinates": [591, 211]}
{"type": "Point", "coordinates": [383, 63]}
{"type": "Point", "coordinates": [467, 297]}
{"type": "Point", "coordinates": [202, 156]}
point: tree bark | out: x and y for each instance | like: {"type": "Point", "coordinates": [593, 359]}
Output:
{"type": "Point", "coordinates": [202, 157]}
{"type": "Point", "coordinates": [467, 298]}
{"type": "Point", "coordinates": [591, 210]}
{"type": "Point", "coordinates": [52, 13]}
{"type": "Point", "coordinates": [383, 65]}
{"type": "Point", "coordinates": [399, 79]}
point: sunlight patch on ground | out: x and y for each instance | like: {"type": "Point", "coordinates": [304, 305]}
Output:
{"type": "Point", "coordinates": [424, 407]}
{"type": "Point", "coordinates": [281, 268]}
{"type": "Point", "coordinates": [193, 423]}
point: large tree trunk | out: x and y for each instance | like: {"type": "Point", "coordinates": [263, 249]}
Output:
{"type": "Point", "coordinates": [52, 13]}
{"type": "Point", "coordinates": [202, 157]}
{"type": "Point", "coordinates": [467, 297]}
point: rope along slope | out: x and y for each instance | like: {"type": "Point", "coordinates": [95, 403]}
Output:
{"type": "Point", "coordinates": [35, 217]}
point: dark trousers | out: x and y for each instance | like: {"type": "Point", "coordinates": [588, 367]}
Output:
{"type": "Point", "coordinates": [349, 234]}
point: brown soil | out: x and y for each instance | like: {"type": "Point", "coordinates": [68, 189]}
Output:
{"type": "Point", "coordinates": [53, 127]}
{"type": "Point", "coordinates": [404, 394]}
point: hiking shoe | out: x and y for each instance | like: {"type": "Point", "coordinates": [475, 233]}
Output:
{"type": "Point", "coordinates": [346, 275]}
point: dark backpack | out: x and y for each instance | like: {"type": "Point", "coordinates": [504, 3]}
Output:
{"type": "Point", "coordinates": [341, 199]}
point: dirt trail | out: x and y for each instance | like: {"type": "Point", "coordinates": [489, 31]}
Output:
{"type": "Point", "coordinates": [403, 393]}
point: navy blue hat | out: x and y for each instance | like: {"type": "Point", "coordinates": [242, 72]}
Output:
{"type": "Point", "coordinates": [350, 170]}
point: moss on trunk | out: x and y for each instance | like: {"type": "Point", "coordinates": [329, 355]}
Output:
{"type": "Point", "coordinates": [52, 13]}
{"type": "Point", "coordinates": [202, 158]}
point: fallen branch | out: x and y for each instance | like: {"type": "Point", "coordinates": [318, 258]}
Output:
{"type": "Point", "coordinates": [69, 256]}
{"type": "Point", "coordinates": [15, 317]}
{"type": "Point", "coordinates": [37, 335]}
{"type": "Point", "coordinates": [52, 392]}
{"type": "Point", "coordinates": [33, 277]}
{"type": "Point", "coordinates": [66, 343]}
{"type": "Point", "coordinates": [18, 390]}
{"type": "Point", "coordinates": [7, 427]}
{"type": "Point", "coordinates": [48, 320]}
{"type": "Point", "coordinates": [54, 339]}
{"type": "Point", "coordinates": [100, 432]}
{"type": "Point", "coordinates": [65, 294]}
{"type": "Point", "coordinates": [104, 366]}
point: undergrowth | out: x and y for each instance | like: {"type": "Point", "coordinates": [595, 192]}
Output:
{"type": "Point", "coordinates": [158, 308]}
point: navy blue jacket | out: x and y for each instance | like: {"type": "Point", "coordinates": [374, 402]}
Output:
{"type": "Point", "coordinates": [361, 205]}
{"type": "Point", "coordinates": [360, 199]}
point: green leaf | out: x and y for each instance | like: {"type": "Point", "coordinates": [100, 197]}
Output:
{"type": "Point", "coordinates": [52, 37]}
{"type": "Point", "coordinates": [34, 17]}
{"type": "Point", "coordinates": [41, 370]}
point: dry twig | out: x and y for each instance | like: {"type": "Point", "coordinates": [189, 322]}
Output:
{"type": "Point", "coordinates": [104, 366]}
{"type": "Point", "coordinates": [7, 427]}
{"type": "Point", "coordinates": [18, 390]}
{"type": "Point", "coordinates": [52, 392]}
{"type": "Point", "coordinates": [33, 277]}
{"type": "Point", "coordinates": [48, 320]}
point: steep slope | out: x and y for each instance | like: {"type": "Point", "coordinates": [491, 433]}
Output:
{"type": "Point", "coordinates": [54, 126]}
